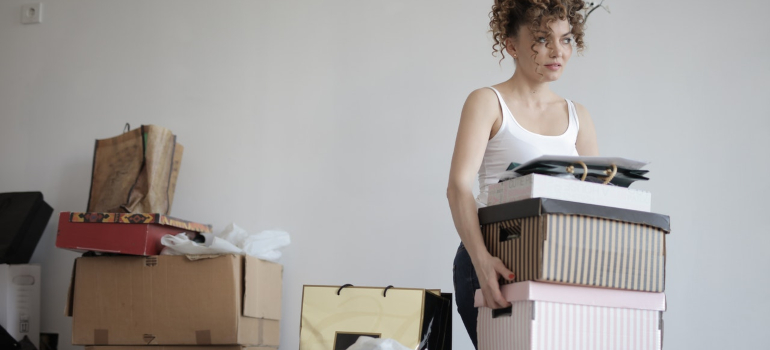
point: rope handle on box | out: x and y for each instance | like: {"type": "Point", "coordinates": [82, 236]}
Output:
{"type": "Point", "coordinates": [384, 292]}
{"type": "Point", "coordinates": [610, 172]}
{"type": "Point", "coordinates": [571, 169]}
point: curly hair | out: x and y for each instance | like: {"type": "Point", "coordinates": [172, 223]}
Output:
{"type": "Point", "coordinates": [508, 15]}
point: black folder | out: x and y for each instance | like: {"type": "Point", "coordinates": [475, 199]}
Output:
{"type": "Point", "coordinates": [23, 218]}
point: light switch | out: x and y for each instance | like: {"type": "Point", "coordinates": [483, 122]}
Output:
{"type": "Point", "coordinates": [32, 13]}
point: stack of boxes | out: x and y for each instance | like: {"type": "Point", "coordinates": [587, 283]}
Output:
{"type": "Point", "coordinates": [146, 301]}
{"type": "Point", "coordinates": [587, 275]}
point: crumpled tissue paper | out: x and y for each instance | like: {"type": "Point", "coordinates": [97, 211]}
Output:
{"type": "Point", "coordinates": [233, 240]}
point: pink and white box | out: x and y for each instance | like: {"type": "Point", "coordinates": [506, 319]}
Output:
{"type": "Point", "coordinates": [573, 190]}
{"type": "Point", "coordinates": [547, 316]}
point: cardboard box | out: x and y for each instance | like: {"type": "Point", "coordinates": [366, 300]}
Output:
{"type": "Point", "coordinates": [207, 347]}
{"type": "Point", "coordinates": [550, 240]}
{"type": "Point", "coordinates": [172, 300]}
{"type": "Point", "coordinates": [547, 316]}
{"type": "Point", "coordinates": [543, 186]}
{"type": "Point", "coordinates": [124, 233]}
{"type": "Point", "coordinates": [334, 317]}
{"type": "Point", "coordinates": [20, 301]}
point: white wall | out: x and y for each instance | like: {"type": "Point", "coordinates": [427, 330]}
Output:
{"type": "Point", "coordinates": [335, 121]}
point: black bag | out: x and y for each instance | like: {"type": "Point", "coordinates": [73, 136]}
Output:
{"type": "Point", "coordinates": [8, 343]}
{"type": "Point", "coordinates": [610, 173]}
{"type": "Point", "coordinates": [23, 218]}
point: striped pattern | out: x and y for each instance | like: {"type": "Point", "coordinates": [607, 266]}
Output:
{"type": "Point", "coordinates": [522, 255]}
{"type": "Point", "coordinates": [581, 250]}
{"type": "Point", "coordinates": [512, 332]}
{"type": "Point", "coordinates": [557, 326]}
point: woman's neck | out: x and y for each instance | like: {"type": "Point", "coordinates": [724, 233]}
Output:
{"type": "Point", "coordinates": [530, 93]}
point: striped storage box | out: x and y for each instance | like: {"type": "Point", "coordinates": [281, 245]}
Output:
{"type": "Point", "coordinates": [550, 240]}
{"type": "Point", "coordinates": [547, 316]}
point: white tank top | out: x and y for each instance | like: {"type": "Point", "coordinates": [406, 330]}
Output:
{"type": "Point", "coordinates": [513, 143]}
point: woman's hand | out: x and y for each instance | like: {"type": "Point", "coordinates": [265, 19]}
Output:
{"type": "Point", "coordinates": [488, 268]}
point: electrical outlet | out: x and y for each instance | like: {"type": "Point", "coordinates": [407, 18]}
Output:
{"type": "Point", "coordinates": [32, 13]}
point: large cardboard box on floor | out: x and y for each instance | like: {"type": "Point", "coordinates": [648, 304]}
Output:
{"type": "Point", "coordinates": [20, 301]}
{"type": "Point", "coordinates": [549, 316]}
{"type": "Point", "coordinates": [174, 300]}
{"type": "Point", "coordinates": [549, 240]}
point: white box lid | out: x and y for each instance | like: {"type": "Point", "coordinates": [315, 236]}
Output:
{"type": "Point", "coordinates": [579, 295]}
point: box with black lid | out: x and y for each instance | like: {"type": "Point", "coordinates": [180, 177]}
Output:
{"type": "Point", "coordinates": [550, 240]}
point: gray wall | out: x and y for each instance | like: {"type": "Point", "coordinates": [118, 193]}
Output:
{"type": "Point", "coordinates": [335, 121]}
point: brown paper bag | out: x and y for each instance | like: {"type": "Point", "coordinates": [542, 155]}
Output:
{"type": "Point", "coordinates": [135, 172]}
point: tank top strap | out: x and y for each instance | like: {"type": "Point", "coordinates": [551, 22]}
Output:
{"type": "Point", "coordinates": [573, 117]}
{"type": "Point", "coordinates": [503, 106]}
{"type": "Point", "coordinates": [499, 97]}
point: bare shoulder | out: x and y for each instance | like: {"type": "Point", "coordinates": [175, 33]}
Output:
{"type": "Point", "coordinates": [482, 97]}
{"type": "Point", "coordinates": [586, 141]}
{"type": "Point", "coordinates": [482, 104]}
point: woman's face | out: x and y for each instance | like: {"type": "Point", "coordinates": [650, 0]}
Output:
{"type": "Point", "coordinates": [551, 51]}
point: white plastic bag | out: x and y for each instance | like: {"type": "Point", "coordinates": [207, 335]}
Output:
{"type": "Point", "coordinates": [182, 245]}
{"type": "Point", "coordinates": [232, 240]}
{"type": "Point", "coordinates": [265, 244]}
{"type": "Point", "coordinates": [234, 234]}
{"type": "Point", "coordinates": [369, 343]}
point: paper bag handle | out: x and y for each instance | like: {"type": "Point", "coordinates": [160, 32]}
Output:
{"type": "Point", "coordinates": [346, 285]}
{"type": "Point", "coordinates": [384, 292]}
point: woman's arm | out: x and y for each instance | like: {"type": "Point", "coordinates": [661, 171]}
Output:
{"type": "Point", "coordinates": [479, 114]}
{"type": "Point", "coordinates": [586, 141]}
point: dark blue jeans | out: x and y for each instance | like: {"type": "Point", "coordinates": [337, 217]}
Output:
{"type": "Point", "coordinates": [466, 283]}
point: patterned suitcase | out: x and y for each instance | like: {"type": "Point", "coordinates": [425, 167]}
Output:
{"type": "Point", "coordinates": [122, 233]}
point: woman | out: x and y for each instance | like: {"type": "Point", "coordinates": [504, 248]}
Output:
{"type": "Point", "coordinates": [514, 121]}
